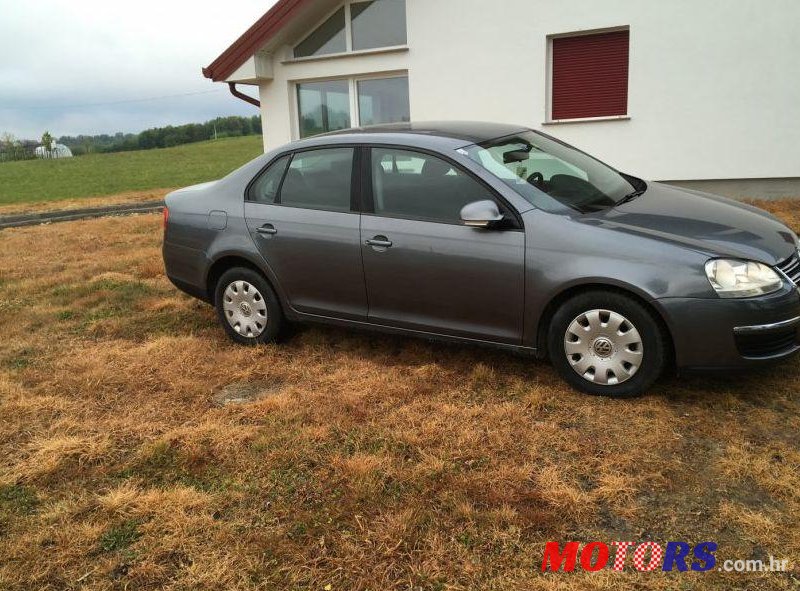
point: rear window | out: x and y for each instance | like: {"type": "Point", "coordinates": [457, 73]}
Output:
{"type": "Point", "coordinates": [265, 189]}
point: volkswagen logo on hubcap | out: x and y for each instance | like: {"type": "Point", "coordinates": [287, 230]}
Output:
{"type": "Point", "coordinates": [244, 307]}
{"type": "Point", "coordinates": [603, 347]}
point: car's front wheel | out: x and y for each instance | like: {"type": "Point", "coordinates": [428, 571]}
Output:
{"type": "Point", "coordinates": [247, 307]}
{"type": "Point", "coordinates": [606, 343]}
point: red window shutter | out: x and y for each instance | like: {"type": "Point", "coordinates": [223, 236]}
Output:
{"type": "Point", "coordinates": [590, 75]}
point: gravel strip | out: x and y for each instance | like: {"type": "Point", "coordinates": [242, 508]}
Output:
{"type": "Point", "coordinates": [69, 215]}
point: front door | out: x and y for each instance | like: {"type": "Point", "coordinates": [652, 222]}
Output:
{"type": "Point", "coordinates": [426, 271]}
{"type": "Point", "coordinates": [300, 216]}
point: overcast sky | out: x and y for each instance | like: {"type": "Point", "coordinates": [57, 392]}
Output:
{"type": "Point", "coordinates": [60, 59]}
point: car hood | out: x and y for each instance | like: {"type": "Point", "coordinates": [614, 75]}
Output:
{"type": "Point", "coordinates": [708, 224]}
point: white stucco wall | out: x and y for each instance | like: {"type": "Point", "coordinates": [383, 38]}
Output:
{"type": "Point", "coordinates": [714, 88]}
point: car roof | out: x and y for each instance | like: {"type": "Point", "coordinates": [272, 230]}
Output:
{"type": "Point", "coordinates": [469, 131]}
{"type": "Point", "coordinates": [432, 133]}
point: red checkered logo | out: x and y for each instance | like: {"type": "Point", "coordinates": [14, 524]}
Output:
{"type": "Point", "coordinates": [655, 556]}
{"type": "Point", "coordinates": [622, 554]}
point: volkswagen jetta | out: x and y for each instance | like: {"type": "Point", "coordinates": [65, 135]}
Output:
{"type": "Point", "coordinates": [489, 234]}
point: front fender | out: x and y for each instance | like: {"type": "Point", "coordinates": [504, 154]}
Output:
{"type": "Point", "coordinates": [562, 254]}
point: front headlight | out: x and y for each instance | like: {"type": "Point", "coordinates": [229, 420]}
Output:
{"type": "Point", "coordinates": [741, 279]}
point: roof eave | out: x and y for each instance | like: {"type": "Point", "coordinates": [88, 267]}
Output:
{"type": "Point", "coordinates": [253, 39]}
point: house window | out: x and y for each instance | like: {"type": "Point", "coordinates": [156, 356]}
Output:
{"type": "Point", "coordinates": [589, 75]}
{"type": "Point", "coordinates": [329, 37]}
{"type": "Point", "coordinates": [383, 100]}
{"type": "Point", "coordinates": [323, 106]}
{"type": "Point", "coordinates": [357, 26]}
{"type": "Point", "coordinates": [337, 104]}
{"type": "Point", "coordinates": [379, 23]}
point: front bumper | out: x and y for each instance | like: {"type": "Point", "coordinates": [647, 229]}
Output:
{"type": "Point", "coordinates": [733, 333]}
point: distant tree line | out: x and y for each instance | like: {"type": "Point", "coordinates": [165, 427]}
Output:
{"type": "Point", "coordinates": [13, 149]}
{"type": "Point", "coordinates": [163, 137]}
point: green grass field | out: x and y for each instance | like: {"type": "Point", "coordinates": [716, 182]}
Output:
{"type": "Point", "coordinates": [36, 181]}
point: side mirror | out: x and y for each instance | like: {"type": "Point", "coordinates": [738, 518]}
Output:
{"type": "Point", "coordinates": [481, 214]}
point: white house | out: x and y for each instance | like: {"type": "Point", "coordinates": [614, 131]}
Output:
{"type": "Point", "coordinates": [700, 92]}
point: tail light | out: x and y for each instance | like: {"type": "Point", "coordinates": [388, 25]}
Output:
{"type": "Point", "coordinates": [166, 216]}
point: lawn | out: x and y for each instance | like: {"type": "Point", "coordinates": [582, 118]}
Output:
{"type": "Point", "coordinates": [36, 181]}
{"type": "Point", "coordinates": [139, 448]}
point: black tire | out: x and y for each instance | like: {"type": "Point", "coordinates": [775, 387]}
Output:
{"type": "Point", "coordinates": [653, 342]}
{"type": "Point", "coordinates": [274, 315]}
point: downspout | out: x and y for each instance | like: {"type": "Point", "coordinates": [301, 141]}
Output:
{"type": "Point", "coordinates": [244, 97]}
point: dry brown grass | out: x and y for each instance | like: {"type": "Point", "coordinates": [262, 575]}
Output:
{"type": "Point", "coordinates": [786, 209]}
{"type": "Point", "coordinates": [368, 462]}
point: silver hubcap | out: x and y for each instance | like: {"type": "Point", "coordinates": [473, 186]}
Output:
{"type": "Point", "coordinates": [245, 309]}
{"type": "Point", "coordinates": [603, 347]}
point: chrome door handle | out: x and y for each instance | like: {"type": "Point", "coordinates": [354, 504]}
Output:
{"type": "Point", "coordinates": [379, 242]}
{"type": "Point", "coordinates": [267, 230]}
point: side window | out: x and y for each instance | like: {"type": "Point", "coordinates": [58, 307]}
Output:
{"type": "Point", "coordinates": [416, 185]}
{"type": "Point", "coordinates": [265, 189]}
{"type": "Point", "coordinates": [319, 179]}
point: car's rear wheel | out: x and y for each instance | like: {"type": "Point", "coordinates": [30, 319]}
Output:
{"type": "Point", "coordinates": [606, 343]}
{"type": "Point", "coordinates": [247, 307]}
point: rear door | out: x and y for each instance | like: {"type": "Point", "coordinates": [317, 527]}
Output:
{"type": "Point", "coordinates": [300, 214]}
{"type": "Point", "coordinates": [424, 269]}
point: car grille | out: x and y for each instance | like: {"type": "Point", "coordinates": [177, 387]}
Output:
{"type": "Point", "coordinates": [791, 268]}
{"type": "Point", "coordinates": [767, 344]}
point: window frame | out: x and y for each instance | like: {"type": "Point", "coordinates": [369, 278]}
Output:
{"type": "Point", "coordinates": [348, 30]}
{"type": "Point", "coordinates": [355, 110]}
{"type": "Point", "coordinates": [367, 201]}
{"type": "Point", "coordinates": [355, 178]}
{"type": "Point", "coordinates": [549, 77]}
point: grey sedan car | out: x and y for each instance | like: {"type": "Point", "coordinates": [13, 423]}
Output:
{"type": "Point", "coordinates": [494, 235]}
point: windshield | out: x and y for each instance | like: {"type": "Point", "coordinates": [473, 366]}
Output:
{"type": "Point", "coordinates": [552, 175]}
